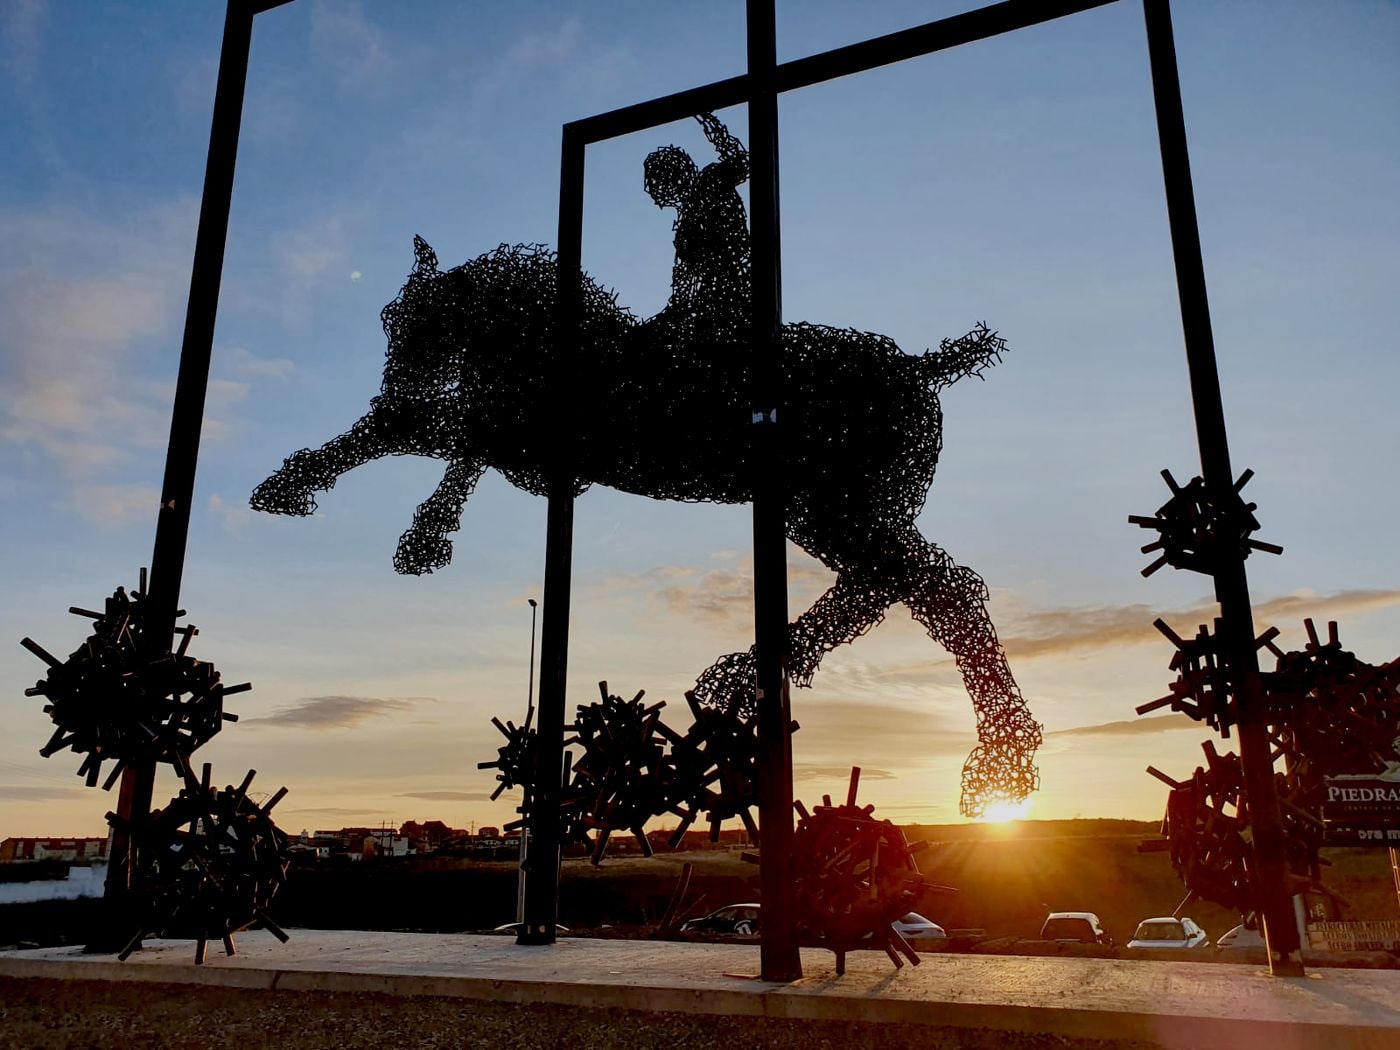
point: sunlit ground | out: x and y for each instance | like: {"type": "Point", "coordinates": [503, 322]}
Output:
{"type": "Point", "coordinates": [1004, 811]}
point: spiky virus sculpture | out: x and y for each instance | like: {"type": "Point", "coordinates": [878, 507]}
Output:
{"type": "Point", "coordinates": [209, 862]}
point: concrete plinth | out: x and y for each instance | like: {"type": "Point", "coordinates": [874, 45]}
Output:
{"type": "Point", "coordinates": [1176, 1005]}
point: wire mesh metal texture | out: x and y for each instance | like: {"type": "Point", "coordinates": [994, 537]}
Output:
{"type": "Point", "coordinates": [664, 414]}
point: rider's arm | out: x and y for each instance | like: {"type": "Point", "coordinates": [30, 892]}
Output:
{"type": "Point", "coordinates": [733, 158]}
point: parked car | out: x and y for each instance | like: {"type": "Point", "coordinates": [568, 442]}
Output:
{"type": "Point", "coordinates": [1240, 937]}
{"type": "Point", "coordinates": [914, 927]}
{"type": "Point", "coordinates": [736, 919]}
{"type": "Point", "coordinates": [1074, 927]}
{"type": "Point", "coordinates": [743, 920]}
{"type": "Point", "coordinates": [515, 927]}
{"type": "Point", "coordinates": [1169, 932]}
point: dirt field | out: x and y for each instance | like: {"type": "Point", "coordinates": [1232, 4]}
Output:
{"type": "Point", "coordinates": [1008, 877]}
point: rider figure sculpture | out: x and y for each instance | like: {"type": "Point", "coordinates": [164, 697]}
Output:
{"type": "Point", "coordinates": [710, 279]}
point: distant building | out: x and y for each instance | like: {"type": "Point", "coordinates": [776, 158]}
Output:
{"type": "Point", "coordinates": [82, 850]}
{"type": "Point", "coordinates": [429, 836]}
{"type": "Point", "coordinates": [363, 842]}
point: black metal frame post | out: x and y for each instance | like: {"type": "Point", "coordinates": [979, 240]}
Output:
{"type": "Point", "coordinates": [780, 958]}
{"type": "Point", "coordinates": [1231, 583]}
{"type": "Point", "coordinates": [542, 866]}
{"type": "Point", "coordinates": [186, 424]}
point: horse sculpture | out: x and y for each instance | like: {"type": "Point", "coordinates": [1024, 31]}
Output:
{"type": "Point", "coordinates": [665, 415]}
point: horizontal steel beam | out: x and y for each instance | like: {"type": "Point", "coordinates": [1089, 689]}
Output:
{"type": "Point", "coordinates": [885, 50]}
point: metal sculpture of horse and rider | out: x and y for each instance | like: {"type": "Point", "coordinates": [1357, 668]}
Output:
{"type": "Point", "coordinates": [666, 417]}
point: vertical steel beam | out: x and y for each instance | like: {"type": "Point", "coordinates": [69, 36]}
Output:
{"type": "Point", "coordinates": [542, 866]}
{"type": "Point", "coordinates": [780, 959]}
{"type": "Point", "coordinates": [1270, 875]}
{"type": "Point", "coordinates": [186, 423]}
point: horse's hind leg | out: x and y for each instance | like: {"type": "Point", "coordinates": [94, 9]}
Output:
{"type": "Point", "coordinates": [950, 600]}
{"type": "Point", "coordinates": [849, 608]}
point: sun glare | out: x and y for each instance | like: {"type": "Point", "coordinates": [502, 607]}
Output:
{"type": "Point", "coordinates": [1004, 810]}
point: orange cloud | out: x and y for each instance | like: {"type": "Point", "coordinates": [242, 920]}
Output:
{"type": "Point", "coordinates": [1058, 631]}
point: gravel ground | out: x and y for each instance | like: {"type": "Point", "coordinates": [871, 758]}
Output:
{"type": "Point", "coordinates": [43, 1014]}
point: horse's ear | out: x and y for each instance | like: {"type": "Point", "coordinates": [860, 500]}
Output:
{"type": "Point", "coordinates": [425, 259]}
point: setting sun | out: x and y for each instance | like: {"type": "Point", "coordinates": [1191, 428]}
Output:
{"type": "Point", "coordinates": [1003, 810]}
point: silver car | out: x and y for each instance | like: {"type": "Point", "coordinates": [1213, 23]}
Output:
{"type": "Point", "coordinates": [1169, 932]}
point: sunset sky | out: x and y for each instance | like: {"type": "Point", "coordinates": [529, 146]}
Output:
{"type": "Point", "coordinates": [1015, 181]}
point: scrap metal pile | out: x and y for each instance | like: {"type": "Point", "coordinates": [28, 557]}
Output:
{"type": "Point", "coordinates": [853, 875]}
{"type": "Point", "coordinates": [633, 767]}
{"type": "Point", "coordinates": [210, 862]}
{"type": "Point", "coordinates": [207, 865]}
{"type": "Point", "coordinates": [1328, 713]}
{"type": "Point", "coordinates": [111, 701]}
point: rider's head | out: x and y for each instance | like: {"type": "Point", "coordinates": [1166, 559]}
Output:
{"type": "Point", "coordinates": [669, 173]}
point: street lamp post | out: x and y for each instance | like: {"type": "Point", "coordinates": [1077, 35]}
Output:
{"type": "Point", "coordinates": [525, 822]}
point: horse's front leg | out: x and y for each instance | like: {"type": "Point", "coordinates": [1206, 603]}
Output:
{"type": "Point", "coordinates": [425, 546]}
{"type": "Point", "coordinates": [292, 489]}
{"type": "Point", "coordinates": [950, 600]}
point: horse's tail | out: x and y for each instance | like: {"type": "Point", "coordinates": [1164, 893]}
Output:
{"type": "Point", "coordinates": [968, 355]}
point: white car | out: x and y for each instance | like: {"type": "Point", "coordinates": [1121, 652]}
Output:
{"type": "Point", "coordinates": [1241, 937]}
{"type": "Point", "coordinates": [516, 927]}
{"type": "Point", "coordinates": [914, 927]}
{"type": "Point", "coordinates": [1169, 932]}
{"type": "Point", "coordinates": [1074, 927]}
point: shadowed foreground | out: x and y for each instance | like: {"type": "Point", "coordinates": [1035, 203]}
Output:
{"type": "Point", "coordinates": [325, 988]}
{"type": "Point", "coordinates": [50, 1014]}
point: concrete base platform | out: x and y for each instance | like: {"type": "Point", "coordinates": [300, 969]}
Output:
{"type": "Point", "coordinates": [1176, 1005]}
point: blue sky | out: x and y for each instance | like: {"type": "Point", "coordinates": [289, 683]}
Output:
{"type": "Point", "coordinates": [1015, 181]}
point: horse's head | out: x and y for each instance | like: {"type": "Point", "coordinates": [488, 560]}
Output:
{"type": "Point", "coordinates": [420, 326]}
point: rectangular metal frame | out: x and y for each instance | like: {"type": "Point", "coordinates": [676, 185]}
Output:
{"type": "Point", "coordinates": [759, 87]}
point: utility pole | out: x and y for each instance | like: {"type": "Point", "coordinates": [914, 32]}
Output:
{"type": "Point", "coordinates": [525, 817]}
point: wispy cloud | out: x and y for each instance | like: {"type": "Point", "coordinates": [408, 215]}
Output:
{"type": "Point", "coordinates": [241, 363]}
{"type": "Point", "coordinates": [91, 305]}
{"type": "Point", "coordinates": [26, 793]}
{"type": "Point", "coordinates": [1130, 727]}
{"type": "Point", "coordinates": [587, 66]}
{"type": "Point", "coordinates": [723, 595]}
{"type": "Point", "coordinates": [83, 302]}
{"type": "Point", "coordinates": [233, 516]}
{"type": "Point", "coordinates": [834, 732]}
{"type": "Point", "coordinates": [335, 712]}
{"type": "Point", "coordinates": [116, 504]}
{"type": "Point", "coordinates": [841, 774]}
{"type": "Point", "coordinates": [22, 31]}
{"type": "Point", "coordinates": [309, 252]}
{"type": "Point", "coordinates": [1053, 632]}
{"type": "Point", "coordinates": [344, 40]}
{"type": "Point", "coordinates": [546, 47]}
{"type": "Point", "coordinates": [1066, 631]}
{"type": "Point", "coordinates": [307, 258]}
{"type": "Point", "coordinates": [337, 811]}
{"type": "Point", "coordinates": [448, 796]}
{"type": "Point", "coordinates": [719, 594]}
